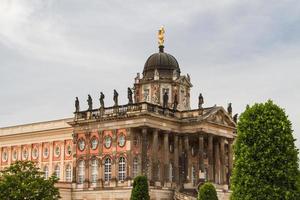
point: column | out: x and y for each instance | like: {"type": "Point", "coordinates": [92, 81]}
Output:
{"type": "Point", "coordinates": [187, 160]}
{"type": "Point", "coordinates": [210, 158]}
{"type": "Point", "coordinates": [217, 161]}
{"type": "Point", "coordinates": [181, 163]}
{"type": "Point", "coordinates": [176, 159]}
{"type": "Point", "coordinates": [166, 157]}
{"type": "Point", "coordinates": [154, 155]}
{"type": "Point", "coordinates": [201, 147]}
{"type": "Point", "coordinates": [230, 159]}
{"type": "Point", "coordinates": [144, 151]}
{"type": "Point", "coordinates": [222, 161]}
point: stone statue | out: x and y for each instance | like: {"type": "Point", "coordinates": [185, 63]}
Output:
{"type": "Point", "coordinates": [165, 100]}
{"type": "Point", "coordinates": [129, 95]}
{"type": "Point", "coordinates": [156, 75]}
{"type": "Point", "coordinates": [77, 108]}
{"type": "Point", "coordinates": [235, 118]}
{"type": "Point", "coordinates": [90, 102]}
{"type": "Point", "coordinates": [161, 36]}
{"type": "Point", "coordinates": [116, 95]}
{"type": "Point", "coordinates": [188, 77]}
{"type": "Point", "coordinates": [229, 109]}
{"type": "Point", "coordinates": [175, 103]}
{"type": "Point", "coordinates": [101, 100]}
{"type": "Point", "coordinates": [201, 101]}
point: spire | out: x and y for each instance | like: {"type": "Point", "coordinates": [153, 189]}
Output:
{"type": "Point", "coordinates": [161, 39]}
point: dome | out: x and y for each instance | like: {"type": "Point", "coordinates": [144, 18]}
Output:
{"type": "Point", "coordinates": [163, 62]}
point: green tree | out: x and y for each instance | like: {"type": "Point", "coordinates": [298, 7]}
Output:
{"type": "Point", "coordinates": [140, 189]}
{"type": "Point", "coordinates": [266, 159]}
{"type": "Point", "coordinates": [23, 180]}
{"type": "Point", "coordinates": [207, 192]}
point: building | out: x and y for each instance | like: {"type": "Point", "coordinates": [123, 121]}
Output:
{"type": "Point", "coordinates": [98, 152]}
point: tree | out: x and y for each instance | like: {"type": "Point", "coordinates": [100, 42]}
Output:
{"type": "Point", "coordinates": [207, 192]}
{"type": "Point", "coordinates": [266, 159]}
{"type": "Point", "coordinates": [23, 180]}
{"type": "Point", "coordinates": [140, 189]}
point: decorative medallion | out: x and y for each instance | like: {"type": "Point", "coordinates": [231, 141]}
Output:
{"type": "Point", "coordinates": [35, 153]}
{"type": "Point", "coordinates": [4, 156]}
{"type": "Point", "coordinates": [107, 141]}
{"type": "Point", "coordinates": [25, 154]}
{"type": "Point", "coordinates": [46, 152]}
{"type": "Point", "coordinates": [69, 150]}
{"type": "Point", "coordinates": [81, 144]}
{"type": "Point", "coordinates": [15, 155]}
{"type": "Point", "coordinates": [57, 151]}
{"type": "Point", "coordinates": [122, 140]}
{"type": "Point", "coordinates": [94, 143]}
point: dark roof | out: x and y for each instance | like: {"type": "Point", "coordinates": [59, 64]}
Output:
{"type": "Point", "coordinates": [163, 62]}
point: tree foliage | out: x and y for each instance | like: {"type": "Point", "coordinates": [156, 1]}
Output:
{"type": "Point", "coordinates": [140, 189]}
{"type": "Point", "coordinates": [23, 180]}
{"type": "Point", "coordinates": [207, 192]}
{"type": "Point", "coordinates": [266, 159]}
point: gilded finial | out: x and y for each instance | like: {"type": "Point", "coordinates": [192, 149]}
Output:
{"type": "Point", "coordinates": [161, 36]}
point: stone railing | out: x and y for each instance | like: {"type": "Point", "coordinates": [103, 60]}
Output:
{"type": "Point", "coordinates": [127, 110]}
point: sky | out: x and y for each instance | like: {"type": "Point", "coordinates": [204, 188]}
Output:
{"type": "Point", "coordinates": [234, 51]}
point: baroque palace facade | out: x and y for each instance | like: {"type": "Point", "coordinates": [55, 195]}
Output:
{"type": "Point", "coordinates": [98, 152]}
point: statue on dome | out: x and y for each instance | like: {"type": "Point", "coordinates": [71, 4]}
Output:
{"type": "Point", "coordinates": [90, 102]}
{"type": "Point", "coordinates": [116, 95]}
{"type": "Point", "coordinates": [161, 36]}
{"type": "Point", "coordinates": [129, 95]}
{"type": "Point", "coordinates": [101, 100]}
{"type": "Point", "coordinates": [235, 118]}
{"type": "Point", "coordinates": [165, 99]}
{"type": "Point", "coordinates": [201, 101]}
{"type": "Point", "coordinates": [77, 108]}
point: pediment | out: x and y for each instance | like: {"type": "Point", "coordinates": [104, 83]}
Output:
{"type": "Point", "coordinates": [182, 80]}
{"type": "Point", "coordinates": [221, 117]}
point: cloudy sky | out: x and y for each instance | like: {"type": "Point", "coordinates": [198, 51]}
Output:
{"type": "Point", "coordinates": [235, 51]}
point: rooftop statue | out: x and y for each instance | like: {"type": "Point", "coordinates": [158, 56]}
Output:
{"type": "Point", "coordinates": [77, 108]}
{"type": "Point", "coordinates": [90, 102]}
{"type": "Point", "coordinates": [116, 95]}
{"type": "Point", "coordinates": [129, 95]}
{"type": "Point", "coordinates": [101, 100]}
{"type": "Point", "coordinates": [229, 109]}
{"type": "Point", "coordinates": [175, 103]}
{"type": "Point", "coordinates": [235, 117]}
{"type": "Point", "coordinates": [161, 36]}
{"type": "Point", "coordinates": [201, 101]}
{"type": "Point", "coordinates": [165, 100]}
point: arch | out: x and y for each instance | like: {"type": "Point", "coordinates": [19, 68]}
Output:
{"type": "Point", "coordinates": [107, 169]}
{"type": "Point", "coordinates": [57, 171]}
{"type": "Point", "coordinates": [135, 167]}
{"type": "Point", "coordinates": [94, 170]}
{"type": "Point", "coordinates": [81, 171]}
{"type": "Point", "coordinates": [46, 171]}
{"type": "Point", "coordinates": [68, 173]}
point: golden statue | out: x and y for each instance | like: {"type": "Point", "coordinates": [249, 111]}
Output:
{"type": "Point", "coordinates": [161, 36]}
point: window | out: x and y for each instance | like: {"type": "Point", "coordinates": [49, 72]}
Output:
{"type": "Point", "coordinates": [122, 169]}
{"type": "Point", "coordinates": [46, 152]}
{"type": "Point", "coordinates": [107, 169]}
{"type": "Point", "coordinates": [81, 171]}
{"type": "Point", "coordinates": [135, 167]}
{"type": "Point", "coordinates": [193, 175]}
{"type": "Point", "coordinates": [94, 143]}
{"type": "Point", "coordinates": [68, 173]}
{"type": "Point", "coordinates": [46, 172]}
{"type": "Point", "coordinates": [35, 153]}
{"type": "Point", "coordinates": [94, 170]}
{"type": "Point", "coordinates": [146, 94]}
{"type": "Point", "coordinates": [57, 171]}
{"type": "Point", "coordinates": [57, 151]}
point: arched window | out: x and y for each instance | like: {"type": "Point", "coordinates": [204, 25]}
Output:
{"type": "Point", "coordinates": [135, 167]}
{"type": "Point", "coordinates": [170, 172]}
{"type": "Point", "coordinates": [107, 169]}
{"type": "Point", "coordinates": [57, 171]}
{"type": "Point", "coordinates": [68, 173]}
{"type": "Point", "coordinates": [94, 171]}
{"type": "Point", "coordinates": [46, 172]}
{"type": "Point", "coordinates": [81, 171]}
{"type": "Point", "coordinates": [122, 170]}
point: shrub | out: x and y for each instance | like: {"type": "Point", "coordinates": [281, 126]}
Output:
{"type": "Point", "coordinates": [207, 192]}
